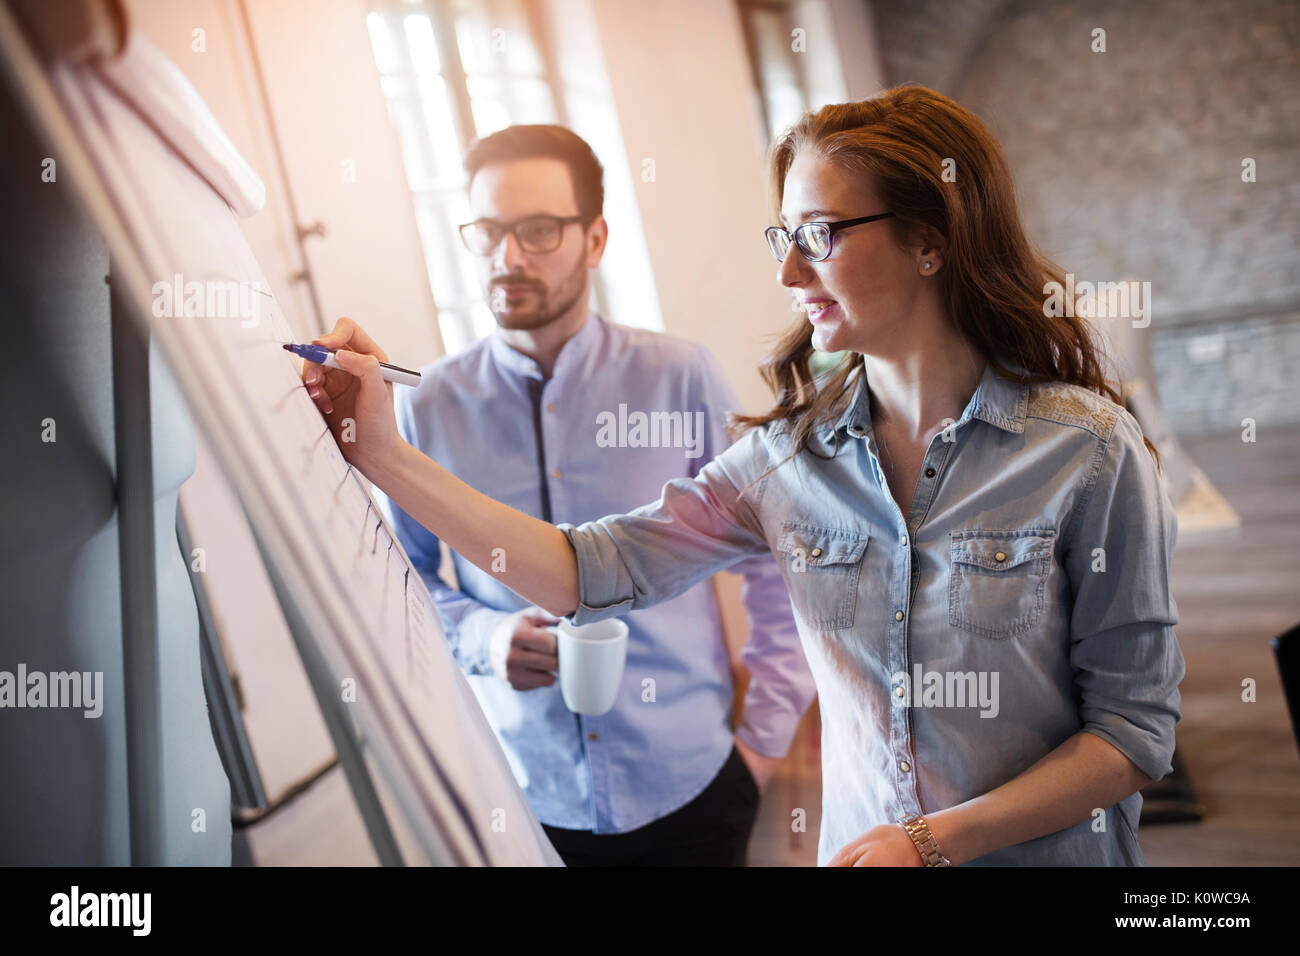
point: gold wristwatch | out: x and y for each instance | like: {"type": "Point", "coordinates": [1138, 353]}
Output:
{"type": "Point", "coordinates": [926, 845]}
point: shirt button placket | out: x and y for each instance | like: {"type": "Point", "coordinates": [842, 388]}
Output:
{"type": "Point", "coordinates": [898, 652]}
{"type": "Point", "coordinates": [903, 748]}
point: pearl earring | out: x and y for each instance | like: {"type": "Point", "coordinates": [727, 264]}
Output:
{"type": "Point", "coordinates": [927, 266]}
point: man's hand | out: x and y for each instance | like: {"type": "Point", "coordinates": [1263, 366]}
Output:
{"type": "Point", "coordinates": [522, 652]}
{"type": "Point", "coordinates": [885, 845]}
{"type": "Point", "coordinates": [760, 766]}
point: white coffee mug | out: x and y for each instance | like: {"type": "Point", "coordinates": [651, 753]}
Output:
{"type": "Point", "coordinates": [592, 657]}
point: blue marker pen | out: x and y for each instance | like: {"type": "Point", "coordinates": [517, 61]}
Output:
{"type": "Point", "coordinates": [320, 355]}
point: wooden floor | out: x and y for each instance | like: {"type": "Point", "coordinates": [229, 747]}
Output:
{"type": "Point", "coordinates": [1235, 592]}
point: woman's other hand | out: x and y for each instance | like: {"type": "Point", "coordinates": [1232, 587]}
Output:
{"type": "Point", "coordinates": [885, 845]}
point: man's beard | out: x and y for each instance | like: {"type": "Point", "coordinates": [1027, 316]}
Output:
{"type": "Point", "coordinates": [566, 294]}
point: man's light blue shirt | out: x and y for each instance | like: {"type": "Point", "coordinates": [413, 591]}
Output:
{"type": "Point", "coordinates": [1031, 576]}
{"type": "Point", "coordinates": [573, 448]}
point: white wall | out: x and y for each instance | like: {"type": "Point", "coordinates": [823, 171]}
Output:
{"type": "Point", "coordinates": [330, 111]}
{"type": "Point", "coordinates": [628, 286]}
{"type": "Point", "coordinates": [327, 108]}
{"type": "Point", "coordinates": [681, 88]}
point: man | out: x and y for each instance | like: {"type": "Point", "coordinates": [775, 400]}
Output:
{"type": "Point", "coordinates": [537, 416]}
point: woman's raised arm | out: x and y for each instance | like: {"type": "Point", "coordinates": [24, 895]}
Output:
{"type": "Point", "coordinates": [531, 557]}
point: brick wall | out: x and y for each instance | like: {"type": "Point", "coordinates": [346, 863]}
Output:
{"type": "Point", "coordinates": [1128, 166]}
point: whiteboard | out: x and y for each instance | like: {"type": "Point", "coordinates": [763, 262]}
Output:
{"type": "Point", "coordinates": [329, 546]}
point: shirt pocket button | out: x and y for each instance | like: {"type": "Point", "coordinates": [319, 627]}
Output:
{"type": "Point", "coordinates": [997, 580]}
{"type": "Point", "coordinates": [822, 567]}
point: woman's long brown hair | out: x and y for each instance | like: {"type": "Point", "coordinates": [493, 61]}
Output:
{"type": "Point", "coordinates": [992, 279]}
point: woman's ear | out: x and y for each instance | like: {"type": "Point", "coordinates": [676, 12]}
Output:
{"type": "Point", "coordinates": [931, 253]}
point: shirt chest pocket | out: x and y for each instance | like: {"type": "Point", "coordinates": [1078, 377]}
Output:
{"type": "Point", "coordinates": [997, 580]}
{"type": "Point", "coordinates": [823, 566]}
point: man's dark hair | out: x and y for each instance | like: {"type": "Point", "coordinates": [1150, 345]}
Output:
{"type": "Point", "coordinates": [545, 142]}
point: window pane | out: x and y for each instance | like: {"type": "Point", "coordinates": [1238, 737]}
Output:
{"type": "Point", "coordinates": [481, 320]}
{"type": "Point", "coordinates": [416, 152]}
{"type": "Point", "coordinates": [419, 36]}
{"type": "Point", "coordinates": [779, 75]}
{"type": "Point", "coordinates": [472, 40]}
{"type": "Point", "coordinates": [775, 56]}
{"type": "Point", "coordinates": [458, 210]}
{"type": "Point", "coordinates": [498, 102]}
{"type": "Point", "coordinates": [395, 87]}
{"type": "Point", "coordinates": [491, 107]}
{"type": "Point", "coordinates": [494, 38]}
{"type": "Point", "coordinates": [446, 274]}
{"type": "Point", "coordinates": [441, 129]}
{"type": "Point", "coordinates": [785, 104]}
{"type": "Point", "coordinates": [457, 330]}
{"type": "Point", "coordinates": [520, 54]}
{"type": "Point", "coordinates": [531, 102]}
{"type": "Point", "coordinates": [463, 326]}
{"type": "Point", "coordinates": [387, 57]}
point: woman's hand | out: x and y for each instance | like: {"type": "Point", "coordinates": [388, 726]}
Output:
{"type": "Point", "coordinates": [355, 400]}
{"type": "Point", "coordinates": [358, 405]}
{"type": "Point", "coordinates": [761, 767]}
{"type": "Point", "coordinates": [885, 845]}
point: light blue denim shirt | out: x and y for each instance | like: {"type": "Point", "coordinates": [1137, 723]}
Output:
{"type": "Point", "coordinates": [573, 448]}
{"type": "Point", "coordinates": [1025, 598]}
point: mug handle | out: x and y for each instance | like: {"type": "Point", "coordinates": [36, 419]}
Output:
{"type": "Point", "coordinates": [555, 629]}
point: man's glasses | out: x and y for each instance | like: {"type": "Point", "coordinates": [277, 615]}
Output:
{"type": "Point", "coordinates": [533, 233]}
{"type": "Point", "coordinates": [814, 239]}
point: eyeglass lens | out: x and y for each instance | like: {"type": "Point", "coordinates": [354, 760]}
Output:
{"type": "Point", "coordinates": [813, 239]}
{"type": "Point", "coordinates": [537, 234]}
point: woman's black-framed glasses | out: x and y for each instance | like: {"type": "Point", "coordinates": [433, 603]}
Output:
{"type": "Point", "coordinates": [814, 239]}
{"type": "Point", "coordinates": [533, 233]}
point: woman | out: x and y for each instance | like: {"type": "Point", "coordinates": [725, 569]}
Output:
{"type": "Point", "coordinates": [976, 542]}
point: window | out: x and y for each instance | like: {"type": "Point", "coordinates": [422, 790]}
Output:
{"type": "Point", "coordinates": [776, 64]}
{"type": "Point", "coordinates": [451, 71]}
{"type": "Point", "coordinates": [788, 79]}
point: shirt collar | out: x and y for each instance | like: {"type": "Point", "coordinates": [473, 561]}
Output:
{"type": "Point", "coordinates": [571, 352]}
{"type": "Point", "coordinates": [997, 400]}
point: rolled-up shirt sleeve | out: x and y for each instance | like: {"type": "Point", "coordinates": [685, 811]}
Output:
{"type": "Point", "coordinates": [699, 526]}
{"type": "Point", "coordinates": [1126, 659]}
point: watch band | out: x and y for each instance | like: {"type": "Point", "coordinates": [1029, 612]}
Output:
{"type": "Point", "coordinates": [926, 844]}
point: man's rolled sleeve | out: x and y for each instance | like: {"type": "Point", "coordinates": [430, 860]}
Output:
{"type": "Point", "coordinates": [781, 687]}
{"type": "Point", "coordinates": [1126, 658]}
{"type": "Point", "coordinates": [469, 625]}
